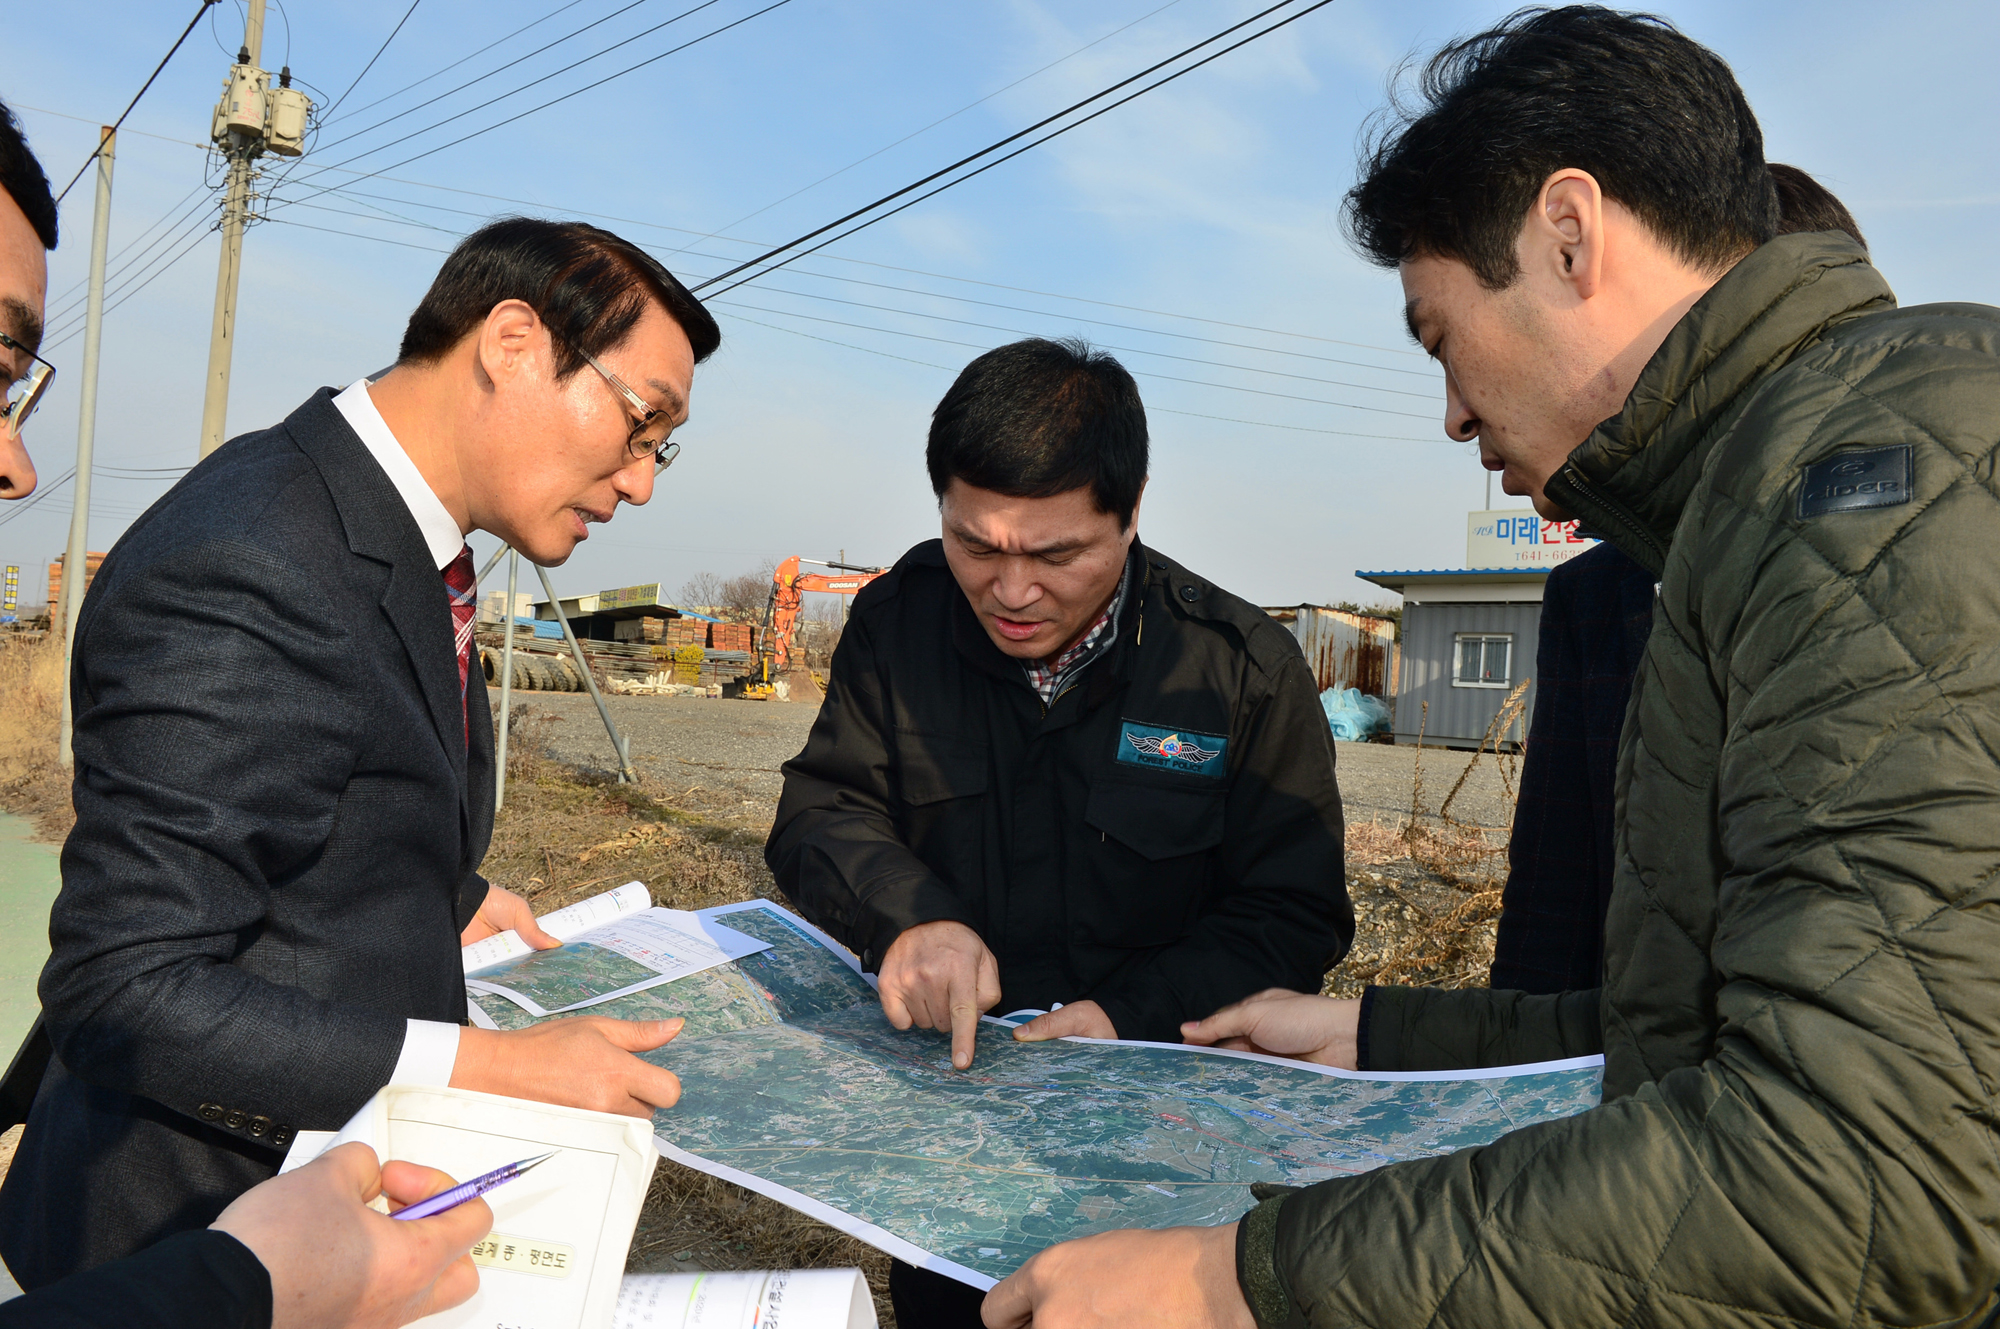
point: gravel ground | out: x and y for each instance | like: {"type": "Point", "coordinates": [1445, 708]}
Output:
{"type": "Point", "coordinates": [721, 758]}
{"type": "Point", "coordinates": [712, 757]}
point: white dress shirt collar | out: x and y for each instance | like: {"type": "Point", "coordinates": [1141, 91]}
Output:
{"type": "Point", "coordinates": [434, 521]}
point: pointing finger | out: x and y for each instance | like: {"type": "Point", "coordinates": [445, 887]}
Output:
{"type": "Point", "coordinates": [964, 1029]}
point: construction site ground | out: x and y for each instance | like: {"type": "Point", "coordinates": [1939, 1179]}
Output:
{"type": "Point", "coordinates": [720, 758]}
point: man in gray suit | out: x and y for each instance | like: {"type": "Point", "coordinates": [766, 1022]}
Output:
{"type": "Point", "coordinates": [284, 756]}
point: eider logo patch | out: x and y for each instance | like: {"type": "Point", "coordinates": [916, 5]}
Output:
{"type": "Point", "coordinates": [1855, 479]}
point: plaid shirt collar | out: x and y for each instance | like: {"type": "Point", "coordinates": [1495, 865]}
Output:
{"type": "Point", "coordinates": [1048, 678]}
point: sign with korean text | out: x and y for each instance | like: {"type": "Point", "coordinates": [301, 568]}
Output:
{"type": "Point", "coordinates": [1521, 538]}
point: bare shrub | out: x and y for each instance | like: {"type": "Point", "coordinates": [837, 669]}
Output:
{"type": "Point", "coordinates": [33, 780]}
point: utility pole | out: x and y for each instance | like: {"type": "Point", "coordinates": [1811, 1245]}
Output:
{"type": "Point", "coordinates": [76, 559]}
{"type": "Point", "coordinates": [253, 118]}
{"type": "Point", "coordinates": [242, 108]}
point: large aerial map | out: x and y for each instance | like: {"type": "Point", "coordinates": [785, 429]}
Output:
{"type": "Point", "coordinates": [794, 1084]}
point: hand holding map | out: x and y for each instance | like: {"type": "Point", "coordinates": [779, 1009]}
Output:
{"type": "Point", "coordinates": [632, 952]}
{"type": "Point", "coordinates": [1281, 1023]}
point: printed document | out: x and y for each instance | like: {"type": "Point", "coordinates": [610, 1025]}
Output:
{"type": "Point", "coordinates": [770, 1299]}
{"type": "Point", "coordinates": [632, 952]}
{"type": "Point", "coordinates": [563, 924]}
{"type": "Point", "coordinates": [561, 1232]}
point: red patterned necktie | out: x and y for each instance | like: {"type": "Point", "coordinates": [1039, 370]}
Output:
{"type": "Point", "coordinates": [459, 585]}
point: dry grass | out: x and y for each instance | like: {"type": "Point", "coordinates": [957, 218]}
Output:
{"type": "Point", "coordinates": [33, 782]}
{"type": "Point", "coordinates": [1426, 914]}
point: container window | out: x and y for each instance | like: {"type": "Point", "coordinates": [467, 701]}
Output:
{"type": "Point", "coordinates": [1482, 661]}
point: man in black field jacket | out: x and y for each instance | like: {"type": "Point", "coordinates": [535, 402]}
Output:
{"type": "Point", "coordinates": [284, 780]}
{"type": "Point", "coordinates": [1053, 766]}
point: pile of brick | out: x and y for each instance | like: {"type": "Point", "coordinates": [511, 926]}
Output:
{"type": "Point", "coordinates": [683, 632]}
{"type": "Point", "coordinates": [732, 637]}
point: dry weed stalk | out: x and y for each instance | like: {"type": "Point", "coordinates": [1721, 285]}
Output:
{"type": "Point", "coordinates": [1447, 946]}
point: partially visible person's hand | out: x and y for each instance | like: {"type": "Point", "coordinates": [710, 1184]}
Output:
{"type": "Point", "coordinates": [503, 910]}
{"type": "Point", "coordinates": [1079, 1019]}
{"type": "Point", "coordinates": [1176, 1278]}
{"type": "Point", "coordinates": [1284, 1024]}
{"type": "Point", "coordinates": [585, 1061]}
{"type": "Point", "coordinates": [337, 1264]}
{"type": "Point", "coordinates": [940, 976]}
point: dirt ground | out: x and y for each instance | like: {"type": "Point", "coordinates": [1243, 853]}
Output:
{"type": "Point", "coordinates": [1425, 834]}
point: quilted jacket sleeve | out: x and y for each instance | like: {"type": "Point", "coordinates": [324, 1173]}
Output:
{"type": "Point", "coordinates": [1825, 1155]}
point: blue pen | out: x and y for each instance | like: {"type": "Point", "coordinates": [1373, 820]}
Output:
{"type": "Point", "coordinates": [478, 1186]}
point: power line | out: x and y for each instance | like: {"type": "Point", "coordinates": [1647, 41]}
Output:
{"type": "Point", "coordinates": [61, 298]}
{"type": "Point", "coordinates": [72, 321]}
{"type": "Point", "coordinates": [735, 305]}
{"type": "Point", "coordinates": [371, 59]}
{"type": "Point", "coordinates": [932, 125]}
{"type": "Point", "coordinates": [412, 110]}
{"type": "Point", "coordinates": [1426, 374]}
{"type": "Point", "coordinates": [1150, 408]}
{"type": "Point", "coordinates": [135, 98]}
{"type": "Point", "coordinates": [462, 59]}
{"type": "Point", "coordinates": [418, 133]}
{"type": "Point", "coordinates": [886, 267]}
{"type": "Point", "coordinates": [944, 318]}
{"type": "Point", "coordinates": [199, 233]}
{"type": "Point", "coordinates": [995, 147]}
{"type": "Point", "coordinates": [1130, 350]}
{"type": "Point", "coordinates": [1139, 373]}
{"type": "Point", "coordinates": [95, 120]}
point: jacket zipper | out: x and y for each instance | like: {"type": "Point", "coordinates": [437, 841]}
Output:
{"type": "Point", "coordinates": [1571, 478]}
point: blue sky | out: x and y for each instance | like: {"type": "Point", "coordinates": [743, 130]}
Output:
{"type": "Point", "coordinates": [1295, 434]}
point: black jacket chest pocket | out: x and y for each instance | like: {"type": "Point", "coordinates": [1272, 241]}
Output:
{"type": "Point", "coordinates": [933, 768]}
{"type": "Point", "coordinates": [1152, 865]}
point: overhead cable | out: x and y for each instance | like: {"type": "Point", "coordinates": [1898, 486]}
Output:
{"type": "Point", "coordinates": [418, 133]}
{"type": "Point", "coordinates": [734, 306]}
{"type": "Point", "coordinates": [870, 263]}
{"type": "Point", "coordinates": [933, 124]}
{"type": "Point", "coordinates": [412, 110]}
{"type": "Point", "coordinates": [944, 318]}
{"type": "Point", "coordinates": [119, 122]}
{"type": "Point", "coordinates": [991, 148]}
{"type": "Point", "coordinates": [994, 327]}
{"type": "Point", "coordinates": [1151, 408]}
{"type": "Point", "coordinates": [391, 96]}
{"type": "Point", "coordinates": [371, 59]}
{"type": "Point", "coordinates": [1140, 373]}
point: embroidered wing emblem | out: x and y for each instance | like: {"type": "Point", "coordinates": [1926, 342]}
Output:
{"type": "Point", "coordinates": [1173, 746]}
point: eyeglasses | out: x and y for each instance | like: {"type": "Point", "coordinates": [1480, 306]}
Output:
{"type": "Point", "coordinates": [23, 397]}
{"type": "Point", "coordinates": [662, 452]}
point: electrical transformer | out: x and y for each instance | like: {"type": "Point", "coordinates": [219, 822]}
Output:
{"type": "Point", "coordinates": [242, 104]}
{"type": "Point", "coordinates": [285, 125]}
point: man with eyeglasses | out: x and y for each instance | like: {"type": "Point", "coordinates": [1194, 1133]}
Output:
{"type": "Point", "coordinates": [284, 753]}
{"type": "Point", "coordinates": [27, 231]}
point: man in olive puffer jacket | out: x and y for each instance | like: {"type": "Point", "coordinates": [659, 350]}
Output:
{"type": "Point", "coordinates": [1800, 1017]}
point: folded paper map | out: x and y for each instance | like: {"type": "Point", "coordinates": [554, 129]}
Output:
{"type": "Point", "coordinates": [794, 1085]}
{"type": "Point", "coordinates": [632, 952]}
{"type": "Point", "coordinates": [564, 924]}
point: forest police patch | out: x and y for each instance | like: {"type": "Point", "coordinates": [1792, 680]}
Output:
{"type": "Point", "coordinates": [1856, 478]}
{"type": "Point", "coordinates": [1161, 749]}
